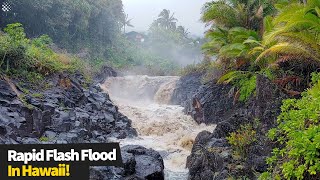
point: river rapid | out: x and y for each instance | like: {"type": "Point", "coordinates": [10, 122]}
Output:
{"type": "Point", "coordinates": [160, 125]}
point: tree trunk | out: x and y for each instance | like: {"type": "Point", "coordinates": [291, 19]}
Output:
{"type": "Point", "coordinates": [261, 28]}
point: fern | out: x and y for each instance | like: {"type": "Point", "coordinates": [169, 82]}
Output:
{"type": "Point", "coordinates": [295, 32]}
{"type": "Point", "coordinates": [245, 81]}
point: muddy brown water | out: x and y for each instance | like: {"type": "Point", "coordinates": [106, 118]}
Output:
{"type": "Point", "coordinates": [161, 126]}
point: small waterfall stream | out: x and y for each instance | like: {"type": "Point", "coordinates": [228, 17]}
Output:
{"type": "Point", "coordinates": [161, 126]}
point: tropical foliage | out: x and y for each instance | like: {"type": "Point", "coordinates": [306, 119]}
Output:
{"type": "Point", "coordinates": [166, 20]}
{"type": "Point", "coordinates": [72, 24]}
{"type": "Point", "coordinates": [170, 41]}
{"type": "Point", "coordinates": [231, 46]}
{"type": "Point", "coordinates": [242, 139]}
{"type": "Point", "coordinates": [252, 36]}
{"type": "Point", "coordinates": [126, 22]}
{"type": "Point", "coordinates": [33, 59]}
{"type": "Point", "coordinates": [238, 13]}
{"type": "Point", "coordinates": [96, 31]}
{"type": "Point", "coordinates": [298, 132]}
{"type": "Point", "coordinates": [279, 39]}
{"type": "Point", "coordinates": [294, 33]}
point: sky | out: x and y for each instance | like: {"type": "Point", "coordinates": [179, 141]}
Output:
{"type": "Point", "coordinates": [143, 12]}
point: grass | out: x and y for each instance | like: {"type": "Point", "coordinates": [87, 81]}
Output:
{"type": "Point", "coordinates": [32, 60]}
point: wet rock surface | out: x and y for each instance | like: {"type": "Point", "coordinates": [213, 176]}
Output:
{"type": "Point", "coordinates": [185, 88]}
{"type": "Point", "coordinates": [69, 113]}
{"type": "Point", "coordinates": [212, 157]}
{"type": "Point", "coordinates": [65, 113]}
{"type": "Point", "coordinates": [210, 103]}
{"type": "Point", "coordinates": [139, 163]}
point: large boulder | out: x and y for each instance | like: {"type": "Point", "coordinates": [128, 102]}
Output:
{"type": "Point", "coordinates": [185, 88]}
{"type": "Point", "coordinates": [139, 163]}
{"type": "Point", "coordinates": [104, 73]}
{"type": "Point", "coordinates": [210, 103]}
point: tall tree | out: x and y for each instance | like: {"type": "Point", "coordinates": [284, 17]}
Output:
{"type": "Point", "coordinates": [183, 31]}
{"type": "Point", "coordinates": [295, 33]}
{"type": "Point", "coordinates": [126, 23]}
{"type": "Point", "coordinates": [166, 20]}
{"type": "Point", "coordinates": [238, 13]}
{"type": "Point", "coordinates": [72, 24]}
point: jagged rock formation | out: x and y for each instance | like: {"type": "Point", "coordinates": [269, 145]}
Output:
{"type": "Point", "coordinates": [212, 156]}
{"type": "Point", "coordinates": [104, 73]}
{"type": "Point", "coordinates": [210, 103]}
{"type": "Point", "coordinates": [139, 163]}
{"type": "Point", "coordinates": [66, 112]}
{"type": "Point", "coordinates": [186, 87]}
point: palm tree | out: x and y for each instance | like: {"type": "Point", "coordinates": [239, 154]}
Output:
{"type": "Point", "coordinates": [237, 13]}
{"type": "Point", "coordinates": [166, 20]}
{"type": "Point", "coordinates": [295, 34]}
{"type": "Point", "coordinates": [126, 22]}
{"type": "Point", "coordinates": [231, 46]}
{"type": "Point", "coordinates": [183, 31]}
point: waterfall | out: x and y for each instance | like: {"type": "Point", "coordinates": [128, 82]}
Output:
{"type": "Point", "coordinates": [161, 126]}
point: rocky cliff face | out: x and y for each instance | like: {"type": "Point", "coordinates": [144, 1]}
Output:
{"type": "Point", "coordinates": [186, 87]}
{"type": "Point", "coordinates": [211, 103]}
{"type": "Point", "coordinates": [66, 112]}
{"type": "Point", "coordinates": [212, 156]}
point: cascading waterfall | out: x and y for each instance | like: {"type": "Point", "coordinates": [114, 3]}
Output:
{"type": "Point", "coordinates": [162, 127]}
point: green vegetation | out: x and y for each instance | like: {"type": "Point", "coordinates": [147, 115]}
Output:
{"type": "Point", "coordinates": [245, 81]}
{"type": "Point", "coordinates": [44, 139]}
{"type": "Point", "coordinates": [72, 24]}
{"type": "Point", "coordinates": [280, 40]}
{"type": "Point", "coordinates": [242, 140]}
{"type": "Point", "coordinates": [96, 32]}
{"type": "Point", "coordinates": [128, 55]}
{"type": "Point", "coordinates": [166, 47]}
{"type": "Point", "coordinates": [247, 38]}
{"type": "Point", "coordinates": [298, 132]}
{"type": "Point", "coordinates": [86, 28]}
{"type": "Point", "coordinates": [32, 60]}
{"type": "Point", "coordinates": [294, 32]}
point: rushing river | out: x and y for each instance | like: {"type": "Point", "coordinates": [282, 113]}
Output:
{"type": "Point", "coordinates": [161, 126]}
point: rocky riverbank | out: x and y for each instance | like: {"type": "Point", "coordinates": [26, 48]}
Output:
{"type": "Point", "coordinates": [212, 156]}
{"type": "Point", "coordinates": [70, 110]}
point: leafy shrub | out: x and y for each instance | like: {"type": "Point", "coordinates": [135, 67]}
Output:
{"type": "Point", "coordinates": [245, 81]}
{"type": "Point", "coordinates": [247, 87]}
{"type": "Point", "coordinates": [12, 47]}
{"type": "Point", "coordinates": [44, 139]}
{"type": "Point", "coordinates": [298, 133]}
{"type": "Point", "coordinates": [242, 139]}
{"type": "Point", "coordinates": [33, 59]}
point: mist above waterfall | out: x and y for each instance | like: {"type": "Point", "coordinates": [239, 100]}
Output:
{"type": "Point", "coordinates": [141, 89]}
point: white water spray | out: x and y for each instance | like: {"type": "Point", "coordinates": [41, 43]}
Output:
{"type": "Point", "coordinates": [162, 127]}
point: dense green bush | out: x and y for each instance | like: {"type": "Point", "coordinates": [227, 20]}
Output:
{"type": "Point", "coordinates": [242, 139]}
{"type": "Point", "coordinates": [73, 24]}
{"type": "Point", "coordinates": [298, 133]}
{"type": "Point", "coordinates": [244, 81]}
{"type": "Point", "coordinates": [32, 59]}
